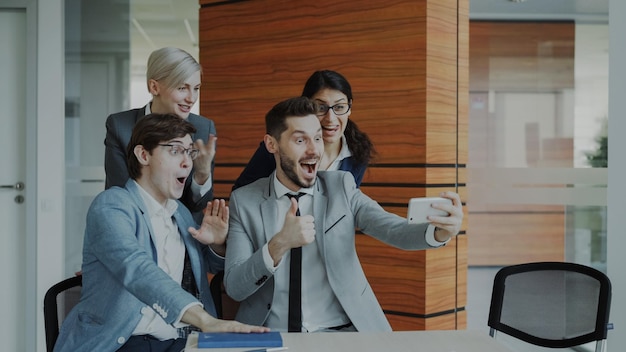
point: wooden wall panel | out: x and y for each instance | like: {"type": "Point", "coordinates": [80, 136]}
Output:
{"type": "Point", "coordinates": [250, 63]}
{"type": "Point", "coordinates": [402, 60]}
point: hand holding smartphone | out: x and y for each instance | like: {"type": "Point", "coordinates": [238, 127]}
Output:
{"type": "Point", "coordinates": [419, 209]}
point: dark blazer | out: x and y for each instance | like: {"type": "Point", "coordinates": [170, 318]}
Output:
{"type": "Point", "coordinates": [338, 208]}
{"type": "Point", "coordinates": [121, 276]}
{"type": "Point", "coordinates": [262, 164]}
{"type": "Point", "coordinates": [119, 129]}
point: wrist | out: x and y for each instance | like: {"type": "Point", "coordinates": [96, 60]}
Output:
{"type": "Point", "coordinates": [219, 249]}
{"type": "Point", "coordinates": [200, 177]}
{"type": "Point", "coordinates": [440, 235]}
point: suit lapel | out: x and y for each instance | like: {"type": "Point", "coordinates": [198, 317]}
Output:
{"type": "Point", "coordinates": [132, 188]}
{"type": "Point", "coordinates": [320, 206]}
{"type": "Point", "coordinates": [269, 211]}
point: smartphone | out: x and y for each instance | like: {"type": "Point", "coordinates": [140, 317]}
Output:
{"type": "Point", "coordinates": [419, 209]}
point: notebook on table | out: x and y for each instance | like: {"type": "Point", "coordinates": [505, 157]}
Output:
{"type": "Point", "coordinates": [233, 339]}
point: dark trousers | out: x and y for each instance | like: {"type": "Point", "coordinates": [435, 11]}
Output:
{"type": "Point", "coordinates": [147, 343]}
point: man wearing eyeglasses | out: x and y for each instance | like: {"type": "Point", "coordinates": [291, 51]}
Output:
{"type": "Point", "coordinates": [144, 258]}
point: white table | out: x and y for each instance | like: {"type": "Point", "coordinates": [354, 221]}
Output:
{"type": "Point", "coordinates": [401, 341]}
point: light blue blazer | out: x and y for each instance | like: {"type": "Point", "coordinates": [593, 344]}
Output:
{"type": "Point", "coordinates": [121, 276]}
{"type": "Point", "coordinates": [338, 208]}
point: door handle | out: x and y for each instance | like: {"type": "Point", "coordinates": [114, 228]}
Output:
{"type": "Point", "coordinates": [18, 186]}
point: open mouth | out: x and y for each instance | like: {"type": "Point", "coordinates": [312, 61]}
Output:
{"type": "Point", "coordinates": [330, 130]}
{"type": "Point", "coordinates": [184, 108]}
{"type": "Point", "coordinates": [309, 166]}
{"type": "Point", "coordinates": [181, 180]}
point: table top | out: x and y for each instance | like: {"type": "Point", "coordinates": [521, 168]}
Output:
{"type": "Point", "coordinates": [399, 341]}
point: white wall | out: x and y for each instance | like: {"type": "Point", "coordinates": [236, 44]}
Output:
{"type": "Point", "coordinates": [50, 162]}
{"type": "Point", "coordinates": [616, 260]}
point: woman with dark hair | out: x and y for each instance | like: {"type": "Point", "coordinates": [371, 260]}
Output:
{"type": "Point", "coordinates": [346, 147]}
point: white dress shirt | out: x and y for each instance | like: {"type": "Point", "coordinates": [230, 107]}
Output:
{"type": "Point", "coordinates": [170, 258]}
{"type": "Point", "coordinates": [343, 153]}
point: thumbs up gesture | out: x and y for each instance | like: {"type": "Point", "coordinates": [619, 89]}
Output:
{"type": "Point", "coordinates": [297, 231]}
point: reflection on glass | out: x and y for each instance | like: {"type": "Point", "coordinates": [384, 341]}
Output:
{"type": "Point", "coordinates": [96, 66]}
{"type": "Point", "coordinates": [537, 101]}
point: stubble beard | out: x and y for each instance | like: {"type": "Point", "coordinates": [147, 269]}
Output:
{"type": "Point", "coordinates": [289, 168]}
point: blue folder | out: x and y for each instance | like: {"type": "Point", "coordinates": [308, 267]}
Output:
{"type": "Point", "coordinates": [232, 339]}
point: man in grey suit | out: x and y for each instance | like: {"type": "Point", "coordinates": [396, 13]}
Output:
{"type": "Point", "coordinates": [268, 227]}
{"type": "Point", "coordinates": [144, 260]}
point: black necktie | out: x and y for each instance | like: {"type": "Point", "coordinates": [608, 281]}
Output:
{"type": "Point", "coordinates": [295, 284]}
{"type": "Point", "coordinates": [188, 283]}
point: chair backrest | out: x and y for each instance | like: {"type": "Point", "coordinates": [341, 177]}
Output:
{"type": "Point", "coordinates": [551, 304]}
{"type": "Point", "coordinates": [225, 306]}
{"type": "Point", "coordinates": [57, 303]}
{"type": "Point", "coordinates": [216, 292]}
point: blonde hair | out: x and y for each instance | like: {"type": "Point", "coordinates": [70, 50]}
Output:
{"type": "Point", "coordinates": [171, 67]}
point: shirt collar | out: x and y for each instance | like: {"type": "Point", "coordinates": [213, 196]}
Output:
{"type": "Point", "coordinates": [153, 207]}
{"type": "Point", "coordinates": [345, 151]}
{"type": "Point", "coordinates": [147, 109]}
{"type": "Point", "coordinates": [281, 190]}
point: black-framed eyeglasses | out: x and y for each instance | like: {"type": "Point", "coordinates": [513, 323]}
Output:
{"type": "Point", "coordinates": [338, 109]}
{"type": "Point", "coordinates": [179, 150]}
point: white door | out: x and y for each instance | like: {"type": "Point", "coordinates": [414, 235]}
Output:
{"type": "Point", "coordinates": [13, 97]}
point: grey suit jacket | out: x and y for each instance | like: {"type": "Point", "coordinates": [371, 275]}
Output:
{"type": "Point", "coordinates": [119, 128]}
{"type": "Point", "coordinates": [121, 277]}
{"type": "Point", "coordinates": [338, 208]}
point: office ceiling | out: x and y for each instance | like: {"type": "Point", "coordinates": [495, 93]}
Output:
{"type": "Point", "coordinates": [588, 11]}
{"type": "Point", "coordinates": [158, 23]}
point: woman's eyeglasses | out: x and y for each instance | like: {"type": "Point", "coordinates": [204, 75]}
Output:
{"type": "Point", "coordinates": [338, 109]}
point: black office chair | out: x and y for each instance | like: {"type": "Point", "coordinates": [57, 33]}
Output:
{"type": "Point", "coordinates": [57, 303]}
{"type": "Point", "coordinates": [551, 304]}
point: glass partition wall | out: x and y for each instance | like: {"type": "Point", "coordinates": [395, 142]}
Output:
{"type": "Point", "coordinates": [107, 44]}
{"type": "Point", "coordinates": [537, 179]}
{"type": "Point", "coordinates": [97, 53]}
{"type": "Point", "coordinates": [538, 108]}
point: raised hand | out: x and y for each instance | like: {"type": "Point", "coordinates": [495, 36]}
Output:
{"type": "Point", "coordinates": [214, 227]}
{"type": "Point", "coordinates": [202, 163]}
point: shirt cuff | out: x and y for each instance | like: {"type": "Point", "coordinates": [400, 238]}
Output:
{"type": "Point", "coordinates": [212, 251]}
{"type": "Point", "coordinates": [267, 259]}
{"type": "Point", "coordinates": [198, 191]}
{"type": "Point", "coordinates": [177, 323]}
{"type": "Point", "coordinates": [430, 237]}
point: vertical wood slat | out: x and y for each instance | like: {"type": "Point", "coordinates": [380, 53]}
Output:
{"type": "Point", "coordinates": [252, 58]}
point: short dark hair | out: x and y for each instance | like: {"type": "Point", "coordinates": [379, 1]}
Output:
{"type": "Point", "coordinates": [293, 107]}
{"type": "Point", "coordinates": [151, 130]}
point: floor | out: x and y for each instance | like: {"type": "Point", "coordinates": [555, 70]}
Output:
{"type": "Point", "coordinates": [479, 283]}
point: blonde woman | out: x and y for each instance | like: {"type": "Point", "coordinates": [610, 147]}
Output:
{"type": "Point", "coordinates": [173, 79]}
